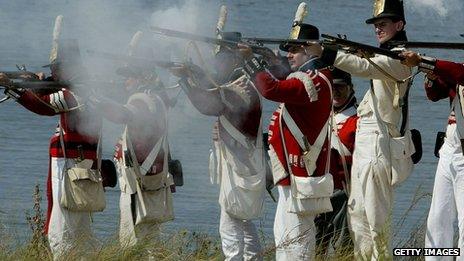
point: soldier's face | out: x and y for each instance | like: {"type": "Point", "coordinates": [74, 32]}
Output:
{"type": "Point", "coordinates": [385, 29]}
{"type": "Point", "coordinates": [225, 63]}
{"type": "Point", "coordinates": [341, 93]}
{"type": "Point", "coordinates": [297, 56]}
{"type": "Point", "coordinates": [61, 72]}
{"type": "Point", "coordinates": [131, 84]}
{"type": "Point", "coordinates": [54, 70]}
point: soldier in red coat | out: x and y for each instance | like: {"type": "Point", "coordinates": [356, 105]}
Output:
{"type": "Point", "coordinates": [446, 70]}
{"type": "Point", "coordinates": [75, 142]}
{"type": "Point", "coordinates": [444, 80]}
{"type": "Point", "coordinates": [332, 227]}
{"type": "Point", "coordinates": [299, 147]}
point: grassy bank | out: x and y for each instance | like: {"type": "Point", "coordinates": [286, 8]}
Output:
{"type": "Point", "coordinates": [180, 245]}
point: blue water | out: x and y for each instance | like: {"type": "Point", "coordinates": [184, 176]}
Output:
{"type": "Point", "coordinates": [25, 36]}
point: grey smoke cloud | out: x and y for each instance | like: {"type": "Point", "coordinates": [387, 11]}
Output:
{"type": "Point", "coordinates": [101, 25]}
{"type": "Point", "coordinates": [194, 17]}
{"type": "Point", "coordinates": [442, 8]}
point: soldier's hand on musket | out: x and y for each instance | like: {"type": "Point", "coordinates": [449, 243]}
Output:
{"type": "Point", "coordinates": [411, 58]}
{"type": "Point", "coordinates": [4, 80]}
{"type": "Point", "coordinates": [245, 51]}
{"type": "Point", "coordinates": [180, 71]}
{"type": "Point", "coordinates": [271, 57]}
{"type": "Point", "coordinates": [41, 76]}
{"type": "Point", "coordinates": [314, 48]}
{"type": "Point", "coordinates": [187, 70]}
{"type": "Point", "coordinates": [431, 76]}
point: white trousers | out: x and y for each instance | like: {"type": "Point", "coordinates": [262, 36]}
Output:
{"type": "Point", "coordinates": [448, 198]}
{"type": "Point", "coordinates": [294, 235]}
{"type": "Point", "coordinates": [68, 231]}
{"type": "Point", "coordinates": [129, 233]}
{"type": "Point", "coordinates": [239, 238]}
{"type": "Point", "coordinates": [371, 199]}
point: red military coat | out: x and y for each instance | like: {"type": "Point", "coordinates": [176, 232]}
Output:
{"type": "Point", "coordinates": [346, 121]}
{"type": "Point", "coordinates": [450, 72]}
{"type": "Point", "coordinates": [449, 76]}
{"type": "Point", "coordinates": [81, 127]}
{"type": "Point", "coordinates": [307, 97]}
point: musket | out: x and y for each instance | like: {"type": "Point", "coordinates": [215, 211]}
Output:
{"type": "Point", "coordinates": [54, 85]}
{"type": "Point", "coordinates": [427, 45]}
{"type": "Point", "coordinates": [256, 47]}
{"type": "Point", "coordinates": [206, 39]}
{"type": "Point", "coordinates": [21, 75]}
{"type": "Point", "coordinates": [342, 43]}
{"type": "Point", "coordinates": [35, 85]}
{"type": "Point", "coordinates": [354, 47]}
{"type": "Point", "coordinates": [31, 85]}
{"type": "Point", "coordinates": [262, 41]}
{"type": "Point", "coordinates": [127, 58]}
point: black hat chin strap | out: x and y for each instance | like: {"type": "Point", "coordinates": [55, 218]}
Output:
{"type": "Point", "coordinates": [399, 36]}
{"type": "Point", "coordinates": [348, 103]}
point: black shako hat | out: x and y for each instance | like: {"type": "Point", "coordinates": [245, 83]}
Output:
{"type": "Point", "coordinates": [142, 51]}
{"type": "Point", "coordinates": [392, 9]}
{"type": "Point", "coordinates": [306, 32]}
{"type": "Point", "coordinates": [341, 77]}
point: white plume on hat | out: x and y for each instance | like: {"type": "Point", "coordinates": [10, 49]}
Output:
{"type": "Point", "coordinates": [221, 20]}
{"type": "Point", "coordinates": [55, 39]}
{"type": "Point", "coordinates": [220, 25]}
{"type": "Point", "coordinates": [301, 13]}
{"type": "Point", "coordinates": [134, 42]}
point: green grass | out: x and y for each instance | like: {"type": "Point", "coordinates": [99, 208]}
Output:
{"type": "Point", "coordinates": [181, 245]}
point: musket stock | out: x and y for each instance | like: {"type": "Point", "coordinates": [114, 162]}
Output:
{"type": "Point", "coordinates": [351, 46]}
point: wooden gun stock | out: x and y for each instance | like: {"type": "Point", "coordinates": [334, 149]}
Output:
{"type": "Point", "coordinates": [354, 47]}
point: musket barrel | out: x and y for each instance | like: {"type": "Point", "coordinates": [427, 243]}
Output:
{"type": "Point", "coordinates": [126, 58]}
{"type": "Point", "coordinates": [428, 45]}
{"type": "Point", "coordinates": [39, 85]}
{"type": "Point", "coordinates": [200, 38]}
{"type": "Point", "coordinates": [279, 41]}
{"type": "Point", "coordinates": [21, 74]}
{"type": "Point", "coordinates": [188, 36]}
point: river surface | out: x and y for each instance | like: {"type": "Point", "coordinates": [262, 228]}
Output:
{"type": "Point", "coordinates": [25, 36]}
